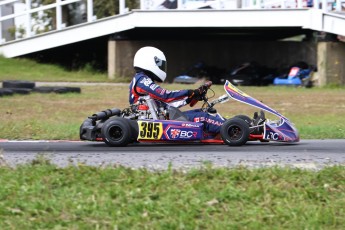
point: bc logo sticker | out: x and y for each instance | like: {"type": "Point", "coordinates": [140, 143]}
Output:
{"type": "Point", "coordinates": [150, 130]}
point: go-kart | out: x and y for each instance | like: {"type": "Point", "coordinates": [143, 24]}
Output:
{"type": "Point", "coordinates": [147, 122]}
{"type": "Point", "coordinates": [296, 77]}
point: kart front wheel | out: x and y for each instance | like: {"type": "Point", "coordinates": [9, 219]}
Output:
{"type": "Point", "coordinates": [235, 132]}
{"type": "Point", "coordinates": [247, 119]}
{"type": "Point", "coordinates": [116, 132]}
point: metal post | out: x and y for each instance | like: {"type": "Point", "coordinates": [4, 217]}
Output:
{"type": "Point", "coordinates": [180, 4]}
{"type": "Point", "coordinates": [338, 5]}
{"type": "Point", "coordinates": [28, 18]}
{"type": "Point", "coordinates": [0, 26]}
{"type": "Point", "coordinates": [257, 4]}
{"type": "Point", "coordinates": [89, 10]}
{"type": "Point", "coordinates": [58, 15]}
{"type": "Point", "coordinates": [324, 5]}
{"type": "Point", "coordinates": [122, 6]}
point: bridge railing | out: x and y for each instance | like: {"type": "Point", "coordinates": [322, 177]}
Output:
{"type": "Point", "coordinates": [25, 18]}
{"type": "Point", "coordinates": [327, 5]}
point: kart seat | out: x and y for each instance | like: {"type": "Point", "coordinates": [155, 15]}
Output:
{"type": "Point", "coordinates": [176, 114]}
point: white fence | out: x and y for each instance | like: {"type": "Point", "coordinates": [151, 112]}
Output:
{"type": "Point", "coordinates": [327, 5]}
{"type": "Point", "coordinates": [23, 16]}
{"type": "Point", "coordinates": [23, 10]}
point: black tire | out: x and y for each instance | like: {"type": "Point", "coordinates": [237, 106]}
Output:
{"type": "Point", "coordinates": [134, 130]}
{"type": "Point", "coordinates": [235, 132]}
{"type": "Point", "coordinates": [43, 89]}
{"type": "Point", "coordinates": [74, 89]}
{"type": "Point", "coordinates": [245, 118]}
{"type": "Point", "coordinates": [18, 84]}
{"type": "Point", "coordinates": [21, 90]}
{"type": "Point", "coordinates": [116, 132]}
{"type": "Point", "coordinates": [5, 92]}
{"type": "Point", "coordinates": [67, 90]}
{"type": "Point", "coordinates": [56, 89]}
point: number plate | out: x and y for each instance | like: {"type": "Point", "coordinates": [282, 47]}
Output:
{"type": "Point", "coordinates": [150, 130]}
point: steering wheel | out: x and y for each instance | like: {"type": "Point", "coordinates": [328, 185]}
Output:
{"type": "Point", "coordinates": [203, 88]}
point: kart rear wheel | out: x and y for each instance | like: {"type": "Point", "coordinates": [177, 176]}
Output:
{"type": "Point", "coordinates": [235, 132]}
{"type": "Point", "coordinates": [116, 132]}
{"type": "Point", "coordinates": [134, 129]}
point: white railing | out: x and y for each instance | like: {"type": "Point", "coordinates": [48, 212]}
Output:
{"type": "Point", "coordinates": [327, 5]}
{"type": "Point", "coordinates": [28, 11]}
{"type": "Point", "coordinates": [26, 14]}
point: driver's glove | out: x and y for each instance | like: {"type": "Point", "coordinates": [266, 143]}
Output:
{"type": "Point", "coordinates": [194, 94]}
{"type": "Point", "coordinates": [203, 89]}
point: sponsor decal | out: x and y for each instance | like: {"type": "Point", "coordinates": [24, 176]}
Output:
{"type": "Point", "coordinates": [159, 90]}
{"type": "Point", "coordinates": [208, 120]}
{"type": "Point", "coordinates": [146, 81]}
{"type": "Point", "coordinates": [272, 135]}
{"type": "Point", "coordinates": [153, 86]}
{"type": "Point", "coordinates": [183, 134]}
{"type": "Point", "coordinates": [174, 133]}
{"type": "Point", "coordinates": [188, 134]}
{"type": "Point", "coordinates": [191, 125]}
{"type": "Point", "coordinates": [213, 122]}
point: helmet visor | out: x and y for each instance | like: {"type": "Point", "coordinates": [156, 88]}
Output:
{"type": "Point", "coordinates": [162, 64]}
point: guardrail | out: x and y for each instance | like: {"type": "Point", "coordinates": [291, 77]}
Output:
{"type": "Point", "coordinates": [27, 12]}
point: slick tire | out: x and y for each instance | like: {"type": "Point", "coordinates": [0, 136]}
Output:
{"type": "Point", "coordinates": [235, 132]}
{"type": "Point", "coordinates": [43, 89]}
{"type": "Point", "coordinates": [248, 120]}
{"type": "Point", "coordinates": [134, 130]}
{"type": "Point", "coordinates": [5, 92]}
{"type": "Point", "coordinates": [245, 118]}
{"type": "Point", "coordinates": [116, 132]}
{"type": "Point", "coordinates": [133, 126]}
{"type": "Point", "coordinates": [56, 89]}
{"type": "Point", "coordinates": [21, 90]}
{"type": "Point", "coordinates": [18, 84]}
{"type": "Point", "coordinates": [67, 90]}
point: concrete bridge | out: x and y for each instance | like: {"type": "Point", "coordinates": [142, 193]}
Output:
{"type": "Point", "coordinates": [219, 35]}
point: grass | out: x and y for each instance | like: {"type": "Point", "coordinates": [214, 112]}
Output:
{"type": "Point", "coordinates": [43, 196]}
{"type": "Point", "coordinates": [26, 69]}
{"type": "Point", "coordinates": [40, 195]}
{"type": "Point", "coordinates": [317, 112]}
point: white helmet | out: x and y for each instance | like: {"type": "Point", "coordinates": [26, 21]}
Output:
{"type": "Point", "coordinates": [153, 60]}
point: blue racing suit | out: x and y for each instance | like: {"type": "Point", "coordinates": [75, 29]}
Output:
{"type": "Point", "coordinates": [142, 85]}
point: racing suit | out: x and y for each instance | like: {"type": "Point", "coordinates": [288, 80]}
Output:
{"type": "Point", "coordinates": [142, 85]}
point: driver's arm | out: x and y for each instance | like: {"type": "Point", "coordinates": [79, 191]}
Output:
{"type": "Point", "coordinates": [146, 86]}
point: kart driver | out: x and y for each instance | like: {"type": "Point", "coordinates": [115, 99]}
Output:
{"type": "Point", "coordinates": [150, 65]}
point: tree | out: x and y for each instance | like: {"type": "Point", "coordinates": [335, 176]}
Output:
{"type": "Point", "coordinates": [106, 8]}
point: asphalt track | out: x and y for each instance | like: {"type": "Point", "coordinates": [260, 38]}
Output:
{"type": "Point", "coordinates": [312, 154]}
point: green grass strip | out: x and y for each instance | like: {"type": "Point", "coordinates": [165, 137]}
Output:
{"type": "Point", "coordinates": [43, 196]}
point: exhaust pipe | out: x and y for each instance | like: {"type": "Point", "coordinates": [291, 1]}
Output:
{"type": "Point", "coordinates": [105, 114]}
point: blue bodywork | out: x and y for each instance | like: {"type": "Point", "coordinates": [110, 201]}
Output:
{"type": "Point", "coordinates": [297, 76]}
{"type": "Point", "coordinates": [283, 130]}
